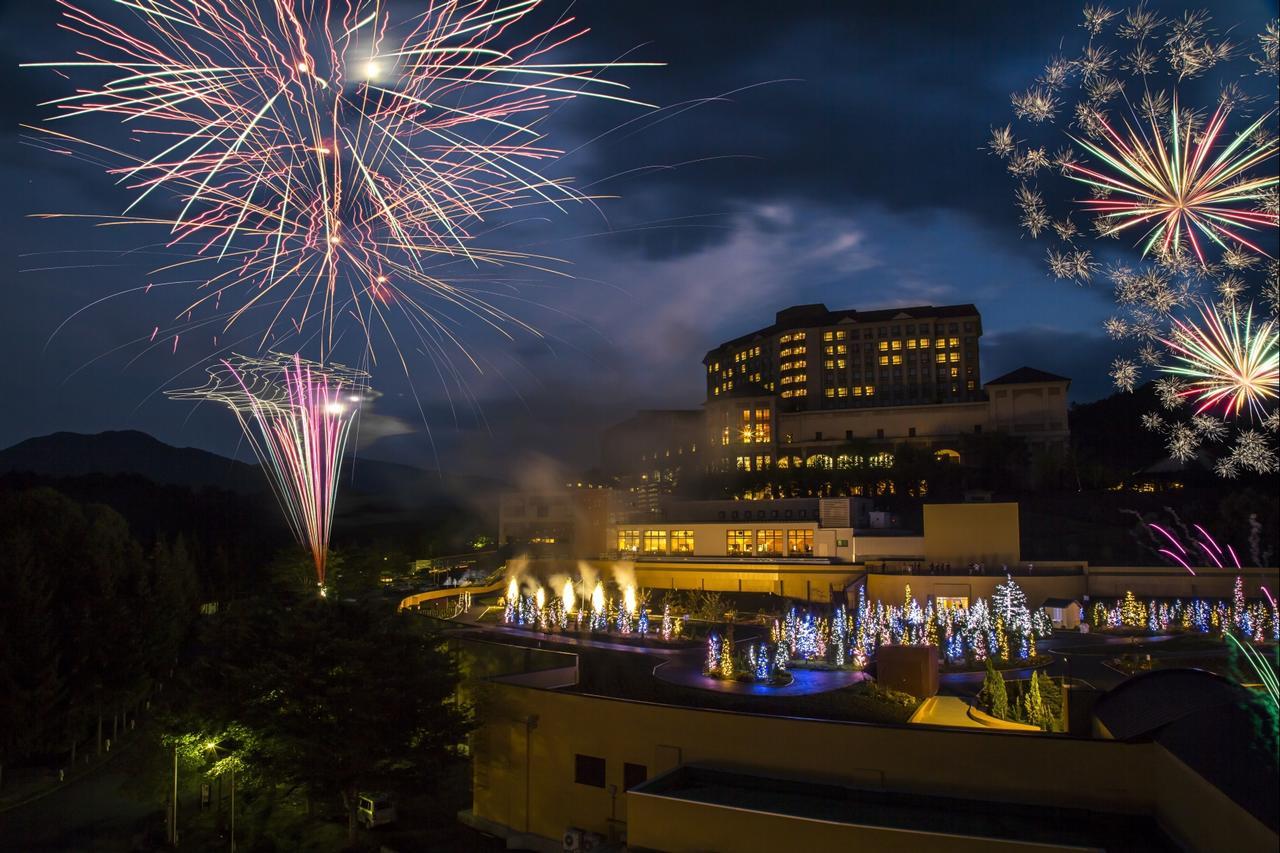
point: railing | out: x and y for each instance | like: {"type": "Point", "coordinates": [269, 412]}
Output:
{"type": "Point", "coordinates": [1030, 570]}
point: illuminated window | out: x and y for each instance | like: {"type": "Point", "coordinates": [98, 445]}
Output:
{"type": "Point", "coordinates": [841, 363]}
{"type": "Point", "coordinates": [629, 541]}
{"type": "Point", "coordinates": [953, 602]}
{"type": "Point", "coordinates": [740, 543]}
{"type": "Point", "coordinates": [786, 394]}
{"type": "Point", "coordinates": [953, 342]}
{"type": "Point", "coordinates": [924, 343]}
{"type": "Point", "coordinates": [911, 344]}
{"type": "Point", "coordinates": [724, 437]}
{"type": "Point", "coordinates": [800, 543]}
{"type": "Point", "coordinates": [800, 336]}
{"type": "Point", "coordinates": [744, 463]}
{"type": "Point", "coordinates": [829, 392]}
{"type": "Point", "coordinates": [897, 359]}
{"type": "Point", "coordinates": [682, 542]}
{"type": "Point", "coordinates": [869, 390]}
{"type": "Point", "coordinates": [763, 463]}
{"type": "Point", "coordinates": [829, 364]}
{"type": "Point", "coordinates": [941, 358]}
{"type": "Point", "coordinates": [857, 390]}
{"type": "Point", "coordinates": [655, 541]}
{"type": "Point", "coordinates": [884, 346]}
{"type": "Point", "coordinates": [843, 391]}
{"type": "Point", "coordinates": [842, 349]}
{"type": "Point", "coordinates": [955, 372]}
{"type": "Point", "coordinates": [840, 336]}
{"type": "Point", "coordinates": [884, 359]}
{"type": "Point", "coordinates": [802, 392]}
{"type": "Point", "coordinates": [785, 339]}
{"type": "Point", "coordinates": [826, 336]}
{"type": "Point", "coordinates": [769, 542]}
{"type": "Point", "coordinates": [955, 356]}
{"type": "Point", "coordinates": [897, 345]}
{"type": "Point", "coordinates": [970, 385]}
{"type": "Point", "coordinates": [940, 343]}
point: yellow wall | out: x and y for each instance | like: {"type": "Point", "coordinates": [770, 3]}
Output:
{"type": "Point", "coordinates": [524, 764]}
{"type": "Point", "coordinates": [811, 582]}
{"type": "Point", "coordinates": [961, 534]}
{"type": "Point", "coordinates": [891, 589]}
{"type": "Point", "coordinates": [678, 826]}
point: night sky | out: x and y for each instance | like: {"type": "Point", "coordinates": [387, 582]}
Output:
{"type": "Point", "coordinates": [809, 152]}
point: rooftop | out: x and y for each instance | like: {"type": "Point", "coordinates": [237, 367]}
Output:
{"type": "Point", "coordinates": [1025, 375]}
{"type": "Point", "coordinates": [909, 811]}
{"type": "Point", "coordinates": [817, 314]}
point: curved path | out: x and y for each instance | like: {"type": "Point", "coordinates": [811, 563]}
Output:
{"type": "Point", "coordinates": [686, 671]}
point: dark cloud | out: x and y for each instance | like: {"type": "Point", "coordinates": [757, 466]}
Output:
{"type": "Point", "coordinates": [807, 151]}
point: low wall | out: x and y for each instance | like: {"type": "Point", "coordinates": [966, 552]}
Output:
{"type": "Point", "coordinates": [438, 594]}
{"type": "Point", "coordinates": [524, 764]}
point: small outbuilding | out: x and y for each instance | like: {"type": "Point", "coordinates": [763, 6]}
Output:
{"type": "Point", "coordinates": [1063, 612]}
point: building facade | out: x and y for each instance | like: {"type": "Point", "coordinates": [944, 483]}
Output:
{"type": "Point", "coordinates": [646, 455]}
{"type": "Point", "coordinates": [822, 388]}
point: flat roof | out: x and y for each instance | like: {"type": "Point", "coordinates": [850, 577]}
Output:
{"type": "Point", "coordinates": [1045, 824]}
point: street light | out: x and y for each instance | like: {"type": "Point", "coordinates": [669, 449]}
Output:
{"type": "Point", "coordinates": [213, 747]}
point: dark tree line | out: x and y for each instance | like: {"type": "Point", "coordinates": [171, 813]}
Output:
{"type": "Point", "coordinates": [319, 695]}
{"type": "Point", "coordinates": [91, 620]}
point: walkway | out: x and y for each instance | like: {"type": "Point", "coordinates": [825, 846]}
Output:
{"type": "Point", "coordinates": [945, 711]}
{"type": "Point", "coordinates": [469, 620]}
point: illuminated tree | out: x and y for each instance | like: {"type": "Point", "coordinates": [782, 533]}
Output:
{"type": "Point", "coordinates": [1033, 703]}
{"type": "Point", "coordinates": [1132, 613]}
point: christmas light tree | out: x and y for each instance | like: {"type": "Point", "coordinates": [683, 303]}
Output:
{"type": "Point", "coordinates": [712, 666]}
{"type": "Point", "coordinates": [1132, 614]}
{"type": "Point", "coordinates": [667, 627]}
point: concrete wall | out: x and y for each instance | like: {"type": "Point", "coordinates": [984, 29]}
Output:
{"type": "Point", "coordinates": [972, 533]}
{"type": "Point", "coordinates": [524, 766]}
{"type": "Point", "coordinates": [677, 826]}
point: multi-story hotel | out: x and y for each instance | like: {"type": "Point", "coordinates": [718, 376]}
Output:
{"type": "Point", "coordinates": [798, 392]}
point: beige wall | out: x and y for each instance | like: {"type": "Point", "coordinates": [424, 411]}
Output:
{"type": "Point", "coordinates": [891, 589]}
{"type": "Point", "coordinates": [524, 765]}
{"type": "Point", "coordinates": [1037, 411]}
{"type": "Point", "coordinates": [961, 534]}
{"type": "Point", "coordinates": [929, 421]}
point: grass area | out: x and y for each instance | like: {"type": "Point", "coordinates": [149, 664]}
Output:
{"type": "Point", "coordinates": [630, 676]}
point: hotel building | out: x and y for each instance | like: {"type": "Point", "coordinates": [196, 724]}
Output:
{"type": "Point", "coordinates": [795, 392]}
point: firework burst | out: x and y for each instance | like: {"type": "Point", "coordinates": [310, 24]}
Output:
{"type": "Point", "coordinates": [1181, 188]}
{"type": "Point", "coordinates": [297, 417]}
{"type": "Point", "coordinates": [1228, 363]}
{"type": "Point", "coordinates": [1196, 189]}
{"type": "Point", "coordinates": [331, 160]}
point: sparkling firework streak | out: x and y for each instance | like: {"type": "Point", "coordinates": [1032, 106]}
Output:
{"type": "Point", "coordinates": [1230, 364]}
{"type": "Point", "coordinates": [297, 417]}
{"type": "Point", "coordinates": [1181, 188]}
{"type": "Point", "coordinates": [1204, 543]}
{"type": "Point", "coordinates": [330, 158]}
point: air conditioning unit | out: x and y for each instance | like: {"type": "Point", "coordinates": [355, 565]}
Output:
{"type": "Point", "coordinates": [573, 840]}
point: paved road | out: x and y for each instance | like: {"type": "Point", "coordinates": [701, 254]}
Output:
{"type": "Point", "coordinates": [91, 814]}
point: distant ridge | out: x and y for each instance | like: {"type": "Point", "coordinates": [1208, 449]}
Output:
{"type": "Point", "coordinates": [73, 454]}
{"type": "Point", "coordinates": [370, 487]}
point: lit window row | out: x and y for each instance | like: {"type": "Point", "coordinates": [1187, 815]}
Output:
{"type": "Point", "coordinates": [748, 543]}
{"type": "Point", "coordinates": [791, 336]}
{"type": "Point", "coordinates": [836, 336]}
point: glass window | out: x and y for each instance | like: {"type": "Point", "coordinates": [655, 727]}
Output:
{"type": "Point", "coordinates": [739, 543]}
{"type": "Point", "coordinates": [897, 359]}
{"type": "Point", "coordinates": [955, 356]}
{"type": "Point", "coordinates": [588, 770]}
{"type": "Point", "coordinates": [897, 345]}
{"type": "Point", "coordinates": [629, 541]}
{"type": "Point", "coordinates": [800, 543]}
{"type": "Point", "coordinates": [954, 602]}
{"type": "Point", "coordinates": [633, 775]}
{"type": "Point", "coordinates": [884, 346]}
{"type": "Point", "coordinates": [682, 542]}
{"type": "Point", "coordinates": [769, 542]}
{"type": "Point", "coordinates": [655, 541]}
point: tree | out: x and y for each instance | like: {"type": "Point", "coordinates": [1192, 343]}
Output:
{"type": "Point", "coordinates": [1033, 703]}
{"type": "Point", "coordinates": [338, 699]}
{"type": "Point", "coordinates": [994, 692]}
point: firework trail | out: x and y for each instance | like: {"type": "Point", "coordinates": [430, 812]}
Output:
{"type": "Point", "coordinates": [1180, 188]}
{"type": "Point", "coordinates": [297, 416]}
{"type": "Point", "coordinates": [1227, 362]}
{"type": "Point", "coordinates": [329, 160]}
{"type": "Point", "coordinates": [1197, 192]}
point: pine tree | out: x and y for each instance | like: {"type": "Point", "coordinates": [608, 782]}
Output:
{"type": "Point", "coordinates": [1132, 614]}
{"type": "Point", "coordinates": [994, 692]}
{"type": "Point", "coordinates": [1034, 703]}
